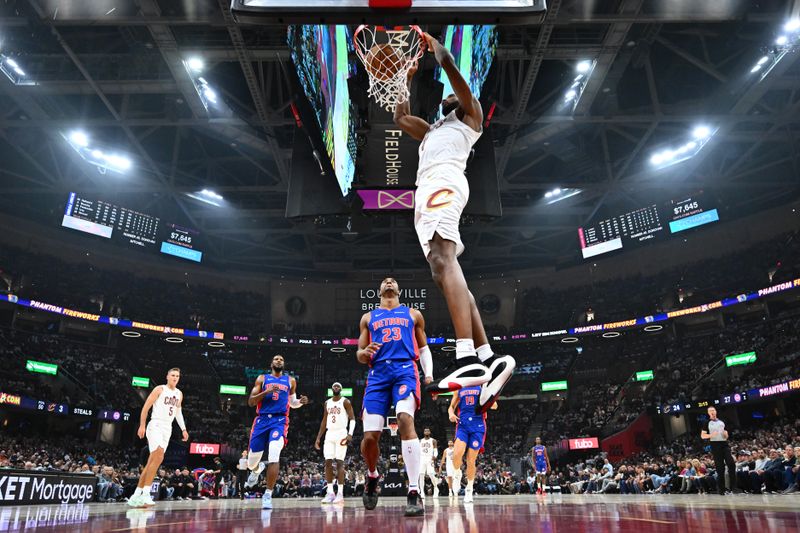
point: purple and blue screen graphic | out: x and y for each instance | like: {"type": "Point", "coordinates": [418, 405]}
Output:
{"type": "Point", "coordinates": [320, 55]}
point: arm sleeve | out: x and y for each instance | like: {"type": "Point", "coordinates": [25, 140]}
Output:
{"type": "Point", "coordinates": [294, 403]}
{"type": "Point", "coordinates": [426, 361]}
{"type": "Point", "coordinates": [351, 426]}
{"type": "Point", "coordinates": [179, 420]}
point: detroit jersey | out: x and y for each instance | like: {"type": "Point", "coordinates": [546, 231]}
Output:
{"type": "Point", "coordinates": [448, 142]}
{"type": "Point", "coordinates": [467, 402]}
{"type": "Point", "coordinates": [337, 416]}
{"type": "Point", "coordinates": [394, 330]}
{"type": "Point", "coordinates": [539, 457]}
{"type": "Point", "coordinates": [166, 406]}
{"type": "Point", "coordinates": [276, 403]}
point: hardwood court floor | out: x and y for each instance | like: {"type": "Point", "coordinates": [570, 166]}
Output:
{"type": "Point", "coordinates": [501, 514]}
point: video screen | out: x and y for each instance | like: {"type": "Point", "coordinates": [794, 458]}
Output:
{"type": "Point", "coordinates": [320, 55]}
{"type": "Point", "coordinates": [474, 48]}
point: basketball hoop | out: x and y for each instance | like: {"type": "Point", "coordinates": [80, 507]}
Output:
{"type": "Point", "coordinates": [387, 55]}
{"type": "Point", "coordinates": [392, 428]}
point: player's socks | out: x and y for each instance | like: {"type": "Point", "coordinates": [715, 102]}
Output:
{"type": "Point", "coordinates": [470, 482]}
{"type": "Point", "coordinates": [330, 488]}
{"type": "Point", "coordinates": [457, 482]}
{"type": "Point", "coordinates": [484, 352]}
{"type": "Point", "coordinates": [464, 348]}
{"type": "Point", "coordinates": [139, 491]}
{"type": "Point", "coordinates": [373, 473]}
{"type": "Point", "coordinates": [411, 458]}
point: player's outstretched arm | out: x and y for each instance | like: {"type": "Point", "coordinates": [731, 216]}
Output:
{"type": "Point", "coordinates": [413, 126]}
{"type": "Point", "coordinates": [179, 419]}
{"type": "Point", "coordinates": [366, 349]}
{"type": "Point", "coordinates": [468, 103]}
{"type": "Point", "coordinates": [154, 394]}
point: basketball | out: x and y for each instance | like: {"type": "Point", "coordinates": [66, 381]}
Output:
{"type": "Point", "coordinates": [383, 61]}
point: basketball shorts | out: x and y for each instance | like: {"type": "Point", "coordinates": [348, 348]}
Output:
{"type": "Point", "coordinates": [158, 436]}
{"type": "Point", "coordinates": [472, 433]}
{"type": "Point", "coordinates": [267, 428]}
{"type": "Point", "coordinates": [438, 205]}
{"type": "Point", "coordinates": [332, 448]}
{"type": "Point", "coordinates": [426, 467]}
{"type": "Point", "coordinates": [541, 468]}
{"type": "Point", "coordinates": [388, 382]}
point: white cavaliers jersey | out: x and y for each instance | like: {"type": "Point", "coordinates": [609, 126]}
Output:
{"type": "Point", "coordinates": [337, 415]}
{"type": "Point", "coordinates": [166, 406]}
{"type": "Point", "coordinates": [448, 142]}
{"type": "Point", "coordinates": [448, 456]}
{"type": "Point", "coordinates": [426, 449]}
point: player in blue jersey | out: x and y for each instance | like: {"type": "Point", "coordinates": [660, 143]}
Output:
{"type": "Point", "coordinates": [272, 396]}
{"type": "Point", "coordinates": [470, 423]}
{"type": "Point", "coordinates": [392, 339]}
{"type": "Point", "coordinates": [541, 464]}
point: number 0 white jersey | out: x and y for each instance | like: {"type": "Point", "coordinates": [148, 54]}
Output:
{"type": "Point", "coordinates": [166, 406]}
{"type": "Point", "coordinates": [337, 415]}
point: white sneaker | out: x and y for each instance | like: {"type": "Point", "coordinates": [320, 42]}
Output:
{"type": "Point", "coordinates": [252, 479]}
{"type": "Point", "coordinates": [329, 498]}
{"type": "Point", "coordinates": [339, 498]}
{"type": "Point", "coordinates": [467, 496]}
{"type": "Point", "coordinates": [147, 500]}
{"type": "Point", "coordinates": [135, 501]}
{"type": "Point", "coordinates": [502, 368]}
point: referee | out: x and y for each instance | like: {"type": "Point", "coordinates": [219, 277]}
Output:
{"type": "Point", "coordinates": [714, 431]}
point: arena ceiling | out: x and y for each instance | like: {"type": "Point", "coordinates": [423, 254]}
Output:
{"type": "Point", "coordinates": [118, 72]}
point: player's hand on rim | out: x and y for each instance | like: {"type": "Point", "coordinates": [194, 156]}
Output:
{"type": "Point", "coordinates": [430, 41]}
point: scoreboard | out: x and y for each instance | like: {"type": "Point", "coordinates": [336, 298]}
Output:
{"type": "Point", "coordinates": [646, 224]}
{"type": "Point", "coordinates": [130, 227]}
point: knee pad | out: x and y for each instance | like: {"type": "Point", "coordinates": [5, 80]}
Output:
{"type": "Point", "coordinates": [372, 422]}
{"type": "Point", "coordinates": [275, 448]}
{"type": "Point", "coordinates": [407, 405]}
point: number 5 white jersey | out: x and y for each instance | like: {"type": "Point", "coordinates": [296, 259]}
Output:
{"type": "Point", "coordinates": [337, 416]}
{"type": "Point", "coordinates": [166, 406]}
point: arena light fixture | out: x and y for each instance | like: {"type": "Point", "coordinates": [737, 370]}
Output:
{"type": "Point", "coordinates": [448, 348]}
{"type": "Point", "coordinates": [207, 197]}
{"type": "Point", "coordinates": [792, 25]}
{"type": "Point", "coordinates": [558, 194]}
{"type": "Point", "coordinates": [338, 349]}
{"type": "Point", "coordinates": [216, 344]}
{"type": "Point", "coordinates": [131, 334]}
{"type": "Point", "coordinates": [573, 94]}
{"type": "Point", "coordinates": [194, 64]}
{"type": "Point", "coordinates": [611, 334]}
{"type": "Point", "coordinates": [653, 327]}
{"type": "Point", "coordinates": [174, 340]}
{"type": "Point", "coordinates": [569, 340]}
{"type": "Point", "coordinates": [99, 156]}
{"type": "Point", "coordinates": [700, 136]}
{"type": "Point", "coordinates": [14, 72]}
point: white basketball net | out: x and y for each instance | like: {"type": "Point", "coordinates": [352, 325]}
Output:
{"type": "Point", "coordinates": [388, 74]}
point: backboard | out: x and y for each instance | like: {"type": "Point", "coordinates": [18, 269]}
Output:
{"type": "Point", "coordinates": [389, 12]}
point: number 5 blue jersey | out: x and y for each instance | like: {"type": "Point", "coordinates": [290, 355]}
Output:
{"type": "Point", "coordinates": [276, 403]}
{"type": "Point", "coordinates": [394, 330]}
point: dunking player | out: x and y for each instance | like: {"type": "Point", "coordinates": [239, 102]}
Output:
{"type": "Point", "coordinates": [166, 401]}
{"type": "Point", "coordinates": [337, 426]}
{"type": "Point", "coordinates": [447, 461]}
{"type": "Point", "coordinates": [272, 396]}
{"type": "Point", "coordinates": [442, 193]}
{"type": "Point", "coordinates": [429, 451]}
{"type": "Point", "coordinates": [392, 339]}
{"type": "Point", "coordinates": [541, 464]}
{"type": "Point", "coordinates": [470, 435]}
